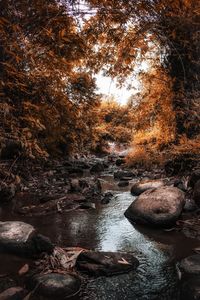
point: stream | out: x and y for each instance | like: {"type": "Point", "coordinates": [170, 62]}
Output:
{"type": "Point", "coordinates": [105, 228]}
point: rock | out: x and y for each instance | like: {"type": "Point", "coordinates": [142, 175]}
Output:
{"type": "Point", "coordinates": [190, 265]}
{"type": "Point", "coordinates": [180, 185]}
{"type": "Point", "coordinates": [106, 263]}
{"type": "Point", "coordinates": [121, 174]}
{"type": "Point", "coordinates": [120, 161]}
{"type": "Point", "coordinates": [157, 207]}
{"type": "Point", "coordinates": [67, 164]}
{"type": "Point", "coordinates": [196, 193]}
{"type": "Point", "coordinates": [74, 185]}
{"type": "Point", "coordinates": [190, 289]}
{"type": "Point", "coordinates": [11, 148]}
{"type": "Point", "coordinates": [125, 178]}
{"type": "Point", "coordinates": [123, 183]}
{"type": "Point", "coordinates": [21, 238]}
{"type": "Point", "coordinates": [75, 170]}
{"type": "Point", "coordinates": [142, 186]}
{"type": "Point", "coordinates": [83, 183]}
{"type": "Point", "coordinates": [190, 205]}
{"type": "Point", "coordinates": [96, 168]}
{"type": "Point", "coordinates": [13, 293]}
{"type": "Point", "coordinates": [7, 192]}
{"type": "Point", "coordinates": [41, 244]}
{"type": "Point", "coordinates": [83, 165]}
{"type": "Point", "coordinates": [106, 198]}
{"type": "Point", "coordinates": [87, 205]}
{"type": "Point", "coordinates": [195, 176]}
{"type": "Point", "coordinates": [55, 286]}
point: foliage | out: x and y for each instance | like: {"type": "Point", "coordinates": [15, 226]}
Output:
{"type": "Point", "coordinates": [46, 94]}
{"type": "Point", "coordinates": [115, 123]}
{"type": "Point", "coordinates": [50, 51]}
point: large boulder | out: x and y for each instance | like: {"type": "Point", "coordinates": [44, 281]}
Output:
{"type": "Point", "coordinates": [157, 207]}
{"type": "Point", "coordinates": [54, 285]}
{"type": "Point", "coordinates": [144, 185]}
{"type": "Point", "coordinates": [196, 193]}
{"type": "Point", "coordinates": [106, 263]}
{"type": "Point", "coordinates": [21, 238]}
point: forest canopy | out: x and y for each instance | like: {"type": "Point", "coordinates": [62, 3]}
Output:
{"type": "Point", "coordinates": [51, 51]}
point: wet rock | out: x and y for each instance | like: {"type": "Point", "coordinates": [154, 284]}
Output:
{"type": "Point", "coordinates": [7, 192]}
{"type": "Point", "coordinates": [106, 263]}
{"type": "Point", "coordinates": [142, 186]}
{"type": "Point", "coordinates": [83, 165]}
{"type": "Point", "coordinates": [106, 198]}
{"type": "Point", "coordinates": [126, 178]}
{"type": "Point", "coordinates": [41, 244]}
{"type": "Point", "coordinates": [96, 168]}
{"type": "Point", "coordinates": [190, 289]}
{"type": "Point", "coordinates": [83, 183]}
{"type": "Point", "coordinates": [123, 183]}
{"type": "Point", "coordinates": [21, 238]}
{"type": "Point", "coordinates": [75, 170]}
{"type": "Point", "coordinates": [74, 185]}
{"type": "Point", "coordinates": [120, 161]}
{"type": "Point", "coordinates": [121, 174]}
{"type": "Point", "coordinates": [195, 176]}
{"type": "Point", "coordinates": [180, 185]}
{"type": "Point", "coordinates": [87, 205]}
{"type": "Point", "coordinates": [13, 293]}
{"type": "Point", "coordinates": [196, 193]}
{"type": "Point", "coordinates": [190, 205]}
{"type": "Point", "coordinates": [67, 164]}
{"type": "Point", "coordinates": [190, 265]}
{"type": "Point", "coordinates": [55, 286]}
{"type": "Point", "coordinates": [157, 207]}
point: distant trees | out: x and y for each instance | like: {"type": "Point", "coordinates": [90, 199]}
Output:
{"type": "Point", "coordinates": [115, 123]}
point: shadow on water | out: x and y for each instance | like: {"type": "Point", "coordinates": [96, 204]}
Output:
{"type": "Point", "coordinates": [106, 228]}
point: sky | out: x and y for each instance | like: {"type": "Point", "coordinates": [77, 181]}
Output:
{"type": "Point", "coordinates": [108, 87]}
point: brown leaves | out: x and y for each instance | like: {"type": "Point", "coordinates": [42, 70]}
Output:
{"type": "Point", "coordinates": [62, 260]}
{"type": "Point", "coordinates": [23, 270]}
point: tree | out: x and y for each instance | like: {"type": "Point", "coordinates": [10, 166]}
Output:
{"type": "Point", "coordinates": [44, 86]}
{"type": "Point", "coordinates": [125, 32]}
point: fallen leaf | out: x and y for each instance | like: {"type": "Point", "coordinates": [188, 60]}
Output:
{"type": "Point", "coordinates": [123, 261]}
{"type": "Point", "coordinates": [23, 270]}
{"type": "Point", "coordinates": [169, 229]}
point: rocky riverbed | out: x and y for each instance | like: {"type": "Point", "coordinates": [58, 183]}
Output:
{"type": "Point", "coordinates": [81, 203]}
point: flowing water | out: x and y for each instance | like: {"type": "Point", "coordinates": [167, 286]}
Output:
{"type": "Point", "coordinates": [105, 228]}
